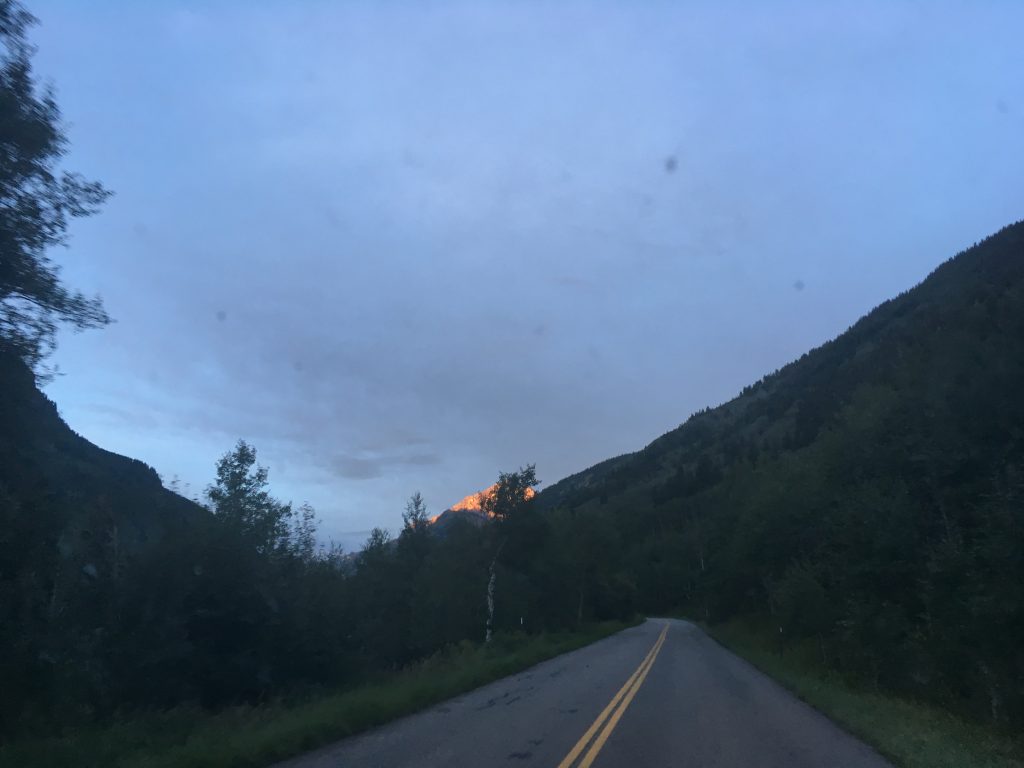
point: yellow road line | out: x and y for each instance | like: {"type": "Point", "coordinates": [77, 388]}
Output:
{"type": "Point", "coordinates": [614, 719]}
{"type": "Point", "coordinates": [629, 690]}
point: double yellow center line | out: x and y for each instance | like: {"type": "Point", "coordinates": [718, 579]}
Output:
{"type": "Point", "coordinates": [613, 712]}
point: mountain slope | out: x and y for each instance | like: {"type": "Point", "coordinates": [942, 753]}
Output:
{"type": "Point", "coordinates": [82, 484]}
{"type": "Point", "coordinates": [931, 341]}
{"type": "Point", "coordinates": [467, 510]}
{"type": "Point", "coordinates": [868, 494]}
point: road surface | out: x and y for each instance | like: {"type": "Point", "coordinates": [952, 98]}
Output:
{"type": "Point", "coordinates": [660, 694]}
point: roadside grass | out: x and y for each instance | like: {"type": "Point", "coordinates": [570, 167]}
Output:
{"type": "Point", "coordinates": [909, 733]}
{"type": "Point", "coordinates": [255, 736]}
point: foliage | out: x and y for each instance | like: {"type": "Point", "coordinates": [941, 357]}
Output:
{"type": "Point", "coordinates": [241, 499]}
{"type": "Point", "coordinates": [119, 596]}
{"type": "Point", "coordinates": [910, 733]}
{"type": "Point", "coordinates": [511, 493]}
{"type": "Point", "coordinates": [36, 202]}
{"type": "Point", "coordinates": [415, 516]}
{"type": "Point", "coordinates": [256, 736]}
{"type": "Point", "coordinates": [868, 498]}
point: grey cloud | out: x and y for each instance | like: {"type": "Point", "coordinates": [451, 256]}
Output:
{"type": "Point", "coordinates": [423, 460]}
{"type": "Point", "coordinates": [354, 468]}
{"type": "Point", "coordinates": [369, 467]}
{"type": "Point", "coordinates": [430, 268]}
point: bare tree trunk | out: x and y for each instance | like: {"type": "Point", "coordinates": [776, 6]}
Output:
{"type": "Point", "coordinates": [490, 604]}
{"type": "Point", "coordinates": [490, 594]}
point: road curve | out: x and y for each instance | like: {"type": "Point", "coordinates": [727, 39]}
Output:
{"type": "Point", "coordinates": [660, 694]}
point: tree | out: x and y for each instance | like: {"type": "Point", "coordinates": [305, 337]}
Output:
{"type": "Point", "coordinates": [505, 503]}
{"type": "Point", "coordinates": [511, 493]}
{"type": "Point", "coordinates": [36, 201]}
{"type": "Point", "coordinates": [415, 516]}
{"type": "Point", "coordinates": [303, 534]}
{"type": "Point", "coordinates": [411, 551]}
{"type": "Point", "coordinates": [240, 499]}
{"type": "Point", "coordinates": [377, 542]}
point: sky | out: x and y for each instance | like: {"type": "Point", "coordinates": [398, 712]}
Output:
{"type": "Point", "coordinates": [405, 246]}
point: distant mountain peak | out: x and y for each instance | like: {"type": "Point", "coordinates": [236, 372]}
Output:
{"type": "Point", "coordinates": [471, 503]}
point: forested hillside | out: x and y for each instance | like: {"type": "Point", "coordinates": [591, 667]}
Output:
{"type": "Point", "coordinates": [869, 495]}
{"type": "Point", "coordinates": [118, 596]}
{"type": "Point", "coordinates": [867, 498]}
{"type": "Point", "coordinates": [43, 461]}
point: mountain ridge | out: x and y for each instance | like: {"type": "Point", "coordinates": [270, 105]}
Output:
{"type": "Point", "coordinates": [867, 497]}
{"type": "Point", "coordinates": [40, 455]}
{"type": "Point", "coordinates": [873, 321]}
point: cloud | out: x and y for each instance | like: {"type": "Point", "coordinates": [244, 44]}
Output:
{"type": "Point", "coordinates": [404, 247]}
{"type": "Point", "coordinates": [368, 467]}
{"type": "Point", "coordinates": [354, 468]}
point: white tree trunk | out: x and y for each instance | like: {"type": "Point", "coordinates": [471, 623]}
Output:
{"type": "Point", "coordinates": [490, 602]}
{"type": "Point", "coordinates": [490, 594]}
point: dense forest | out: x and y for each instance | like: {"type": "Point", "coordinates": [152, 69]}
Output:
{"type": "Point", "coordinates": [868, 497]}
{"type": "Point", "coordinates": [117, 595]}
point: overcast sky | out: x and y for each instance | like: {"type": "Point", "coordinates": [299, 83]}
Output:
{"type": "Point", "coordinates": [403, 246]}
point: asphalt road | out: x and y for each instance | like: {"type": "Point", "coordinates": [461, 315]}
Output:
{"type": "Point", "coordinates": [660, 694]}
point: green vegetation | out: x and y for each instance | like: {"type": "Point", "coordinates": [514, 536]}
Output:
{"type": "Point", "coordinates": [234, 604]}
{"type": "Point", "coordinates": [911, 734]}
{"type": "Point", "coordinates": [258, 735]}
{"type": "Point", "coordinates": [37, 198]}
{"type": "Point", "coordinates": [869, 496]}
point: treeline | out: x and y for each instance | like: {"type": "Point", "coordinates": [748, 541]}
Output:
{"type": "Point", "coordinates": [241, 604]}
{"type": "Point", "coordinates": [116, 595]}
{"type": "Point", "coordinates": [867, 501]}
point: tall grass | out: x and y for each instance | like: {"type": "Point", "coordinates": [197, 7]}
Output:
{"type": "Point", "coordinates": [247, 737]}
{"type": "Point", "coordinates": [909, 733]}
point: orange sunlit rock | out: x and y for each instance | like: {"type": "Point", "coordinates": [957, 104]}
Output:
{"type": "Point", "coordinates": [472, 502]}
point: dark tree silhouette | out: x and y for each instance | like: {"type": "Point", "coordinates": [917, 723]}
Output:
{"type": "Point", "coordinates": [240, 497]}
{"type": "Point", "coordinates": [37, 199]}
